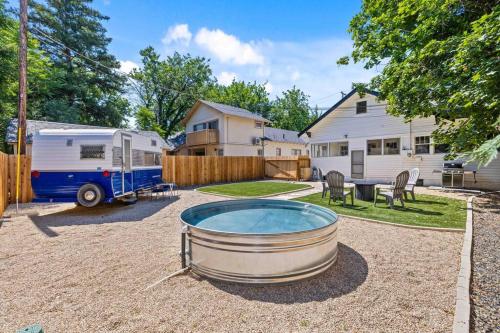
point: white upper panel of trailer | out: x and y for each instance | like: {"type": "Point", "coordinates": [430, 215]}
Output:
{"type": "Point", "coordinates": [60, 149]}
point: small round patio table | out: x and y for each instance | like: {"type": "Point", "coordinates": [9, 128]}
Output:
{"type": "Point", "coordinates": [365, 189]}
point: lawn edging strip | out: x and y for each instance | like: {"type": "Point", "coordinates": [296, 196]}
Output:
{"type": "Point", "coordinates": [409, 226]}
{"type": "Point", "coordinates": [461, 319]}
{"type": "Point", "coordinates": [251, 197]}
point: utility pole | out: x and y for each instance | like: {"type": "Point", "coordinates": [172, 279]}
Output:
{"type": "Point", "coordinates": [21, 117]}
{"type": "Point", "coordinates": [23, 64]}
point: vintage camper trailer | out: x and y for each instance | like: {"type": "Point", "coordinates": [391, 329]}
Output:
{"type": "Point", "coordinates": [89, 166]}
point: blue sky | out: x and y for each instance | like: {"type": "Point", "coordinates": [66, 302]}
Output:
{"type": "Point", "coordinates": [281, 43]}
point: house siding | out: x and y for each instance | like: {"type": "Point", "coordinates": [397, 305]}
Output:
{"type": "Point", "coordinates": [343, 124]}
{"type": "Point", "coordinates": [236, 135]}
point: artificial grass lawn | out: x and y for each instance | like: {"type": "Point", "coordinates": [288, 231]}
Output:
{"type": "Point", "coordinates": [253, 189]}
{"type": "Point", "coordinates": [427, 210]}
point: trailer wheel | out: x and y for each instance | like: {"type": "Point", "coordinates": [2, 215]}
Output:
{"type": "Point", "coordinates": [90, 195]}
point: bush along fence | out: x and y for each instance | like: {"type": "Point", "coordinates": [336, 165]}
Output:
{"type": "Point", "coordinates": [8, 170]}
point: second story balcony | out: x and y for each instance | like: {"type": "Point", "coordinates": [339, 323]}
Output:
{"type": "Point", "coordinates": [203, 137]}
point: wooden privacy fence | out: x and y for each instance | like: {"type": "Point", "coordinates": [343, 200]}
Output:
{"type": "Point", "coordinates": [287, 167]}
{"type": "Point", "coordinates": [4, 176]}
{"type": "Point", "coordinates": [8, 180]}
{"type": "Point", "coordinates": [201, 170]}
{"type": "Point", "coordinates": [183, 170]}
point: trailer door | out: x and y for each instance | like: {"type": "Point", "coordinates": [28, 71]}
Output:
{"type": "Point", "coordinates": [127, 177]}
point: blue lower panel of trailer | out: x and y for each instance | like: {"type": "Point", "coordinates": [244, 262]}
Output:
{"type": "Point", "coordinates": [63, 186]}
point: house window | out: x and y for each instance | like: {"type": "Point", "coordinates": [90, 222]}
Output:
{"type": "Point", "coordinates": [260, 152]}
{"type": "Point", "coordinates": [320, 150]}
{"type": "Point", "coordinates": [361, 107]}
{"type": "Point", "coordinates": [442, 148]}
{"type": "Point", "coordinates": [214, 124]}
{"type": "Point", "coordinates": [422, 144]}
{"type": "Point", "coordinates": [91, 152]}
{"type": "Point", "coordinates": [153, 143]}
{"type": "Point", "coordinates": [296, 152]}
{"type": "Point", "coordinates": [278, 151]}
{"type": "Point", "coordinates": [339, 148]}
{"type": "Point", "coordinates": [220, 152]}
{"type": "Point", "coordinates": [199, 127]}
{"type": "Point", "coordinates": [307, 152]}
{"type": "Point", "coordinates": [374, 147]}
{"type": "Point", "coordinates": [258, 124]}
{"type": "Point", "coordinates": [391, 146]}
{"type": "Point", "coordinates": [69, 142]}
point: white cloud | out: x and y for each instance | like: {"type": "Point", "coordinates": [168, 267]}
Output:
{"type": "Point", "coordinates": [225, 78]}
{"type": "Point", "coordinates": [228, 48]}
{"type": "Point", "coordinates": [263, 71]}
{"type": "Point", "coordinates": [178, 34]}
{"type": "Point", "coordinates": [308, 65]}
{"type": "Point", "coordinates": [127, 66]}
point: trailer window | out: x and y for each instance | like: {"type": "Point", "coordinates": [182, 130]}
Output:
{"type": "Point", "coordinates": [92, 152]}
{"type": "Point", "coordinates": [152, 159]}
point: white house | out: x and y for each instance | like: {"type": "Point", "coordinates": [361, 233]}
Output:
{"type": "Point", "coordinates": [358, 138]}
{"type": "Point", "coordinates": [224, 130]}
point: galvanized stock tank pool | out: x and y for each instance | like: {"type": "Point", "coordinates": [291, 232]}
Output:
{"type": "Point", "coordinates": [258, 241]}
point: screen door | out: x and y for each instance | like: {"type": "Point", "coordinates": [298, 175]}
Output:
{"type": "Point", "coordinates": [357, 163]}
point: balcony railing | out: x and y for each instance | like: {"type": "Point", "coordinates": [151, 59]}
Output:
{"type": "Point", "coordinates": [204, 137]}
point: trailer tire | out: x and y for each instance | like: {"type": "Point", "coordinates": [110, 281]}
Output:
{"type": "Point", "coordinates": [90, 195]}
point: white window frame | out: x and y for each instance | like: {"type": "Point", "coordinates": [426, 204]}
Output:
{"type": "Point", "coordinates": [341, 144]}
{"type": "Point", "coordinates": [258, 124]}
{"type": "Point", "coordinates": [93, 158]}
{"type": "Point", "coordinates": [399, 146]}
{"type": "Point", "coordinates": [366, 107]}
{"type": "Point", "coordinates": [428, 144]}
{"type": "Point", "coordinates": [381, 147]}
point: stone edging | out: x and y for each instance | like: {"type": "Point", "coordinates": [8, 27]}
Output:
{"type": "Point", "coordinates": [461, 320]}
{"type": "Point", "coordinates": [258, 197]}
{"type": "Point", "coordinates": [403, 225]}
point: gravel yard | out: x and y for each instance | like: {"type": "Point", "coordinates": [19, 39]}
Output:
{"type": "Point", "coordinates": [77, 270]}
{"type": "Point", "coordinates": [485, 285]}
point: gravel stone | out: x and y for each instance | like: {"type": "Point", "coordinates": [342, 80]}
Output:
{"type": "Point", "coordinates": [73, 269]}
{"type": "Point", "coordinates": [485, 283]}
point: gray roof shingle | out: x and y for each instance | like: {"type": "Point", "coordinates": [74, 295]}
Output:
{"type": "Point", "coordinates": [234, 111]}
{"type": "Point", "coordinates": [282, 135]}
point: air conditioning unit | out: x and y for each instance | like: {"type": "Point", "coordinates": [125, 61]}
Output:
{"type": "Point", "coordinates": [408, 152]}
{"type": "Point", "coordinates": [256, 141]}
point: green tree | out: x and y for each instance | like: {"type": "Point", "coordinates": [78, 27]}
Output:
{"type": "Point", "coordinates": [91, 89]}
{"type": "Point", "coordinates": [441, 58]}
{"type": "Point", "coordinates": [146, 120]}
{"type": "Point", "coordinates": [41, 74]}
{"type": "Point", "coordinates": [246, 95]}
{"type": "Point", "coordinates": [169, 88]}
{"type": "Point", "coordinates": [291, 111]}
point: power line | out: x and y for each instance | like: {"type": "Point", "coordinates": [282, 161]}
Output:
{"type": "Point", "coordinates": [125, 74]}
{"type": "Point", "coordinates": [325, 97]}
